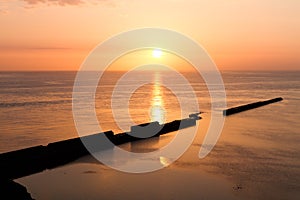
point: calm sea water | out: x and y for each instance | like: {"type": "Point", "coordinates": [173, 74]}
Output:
{"type": "Point", "coordinates": [258, 149]}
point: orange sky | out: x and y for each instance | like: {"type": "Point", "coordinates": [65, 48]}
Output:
{"type": "Point", "coordinates": [238, 34]}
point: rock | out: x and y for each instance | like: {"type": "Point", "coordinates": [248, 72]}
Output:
{"type": "Point", "coordinates": [13, 190]}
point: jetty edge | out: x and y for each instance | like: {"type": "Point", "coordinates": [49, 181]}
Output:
{"type": "Point", "coordinates": [28, 161]}
{"type": "Point", "coordinates": [238, 109]}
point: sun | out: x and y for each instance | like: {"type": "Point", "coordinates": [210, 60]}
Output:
{"type": "Point", "coordinates": [156, 53]}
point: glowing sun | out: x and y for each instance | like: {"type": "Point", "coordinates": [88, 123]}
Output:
{"type": "Point", "coordinates": [156, 53]}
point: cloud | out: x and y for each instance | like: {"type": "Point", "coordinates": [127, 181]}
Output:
{"type": "Point", "coordinates": [3, 11]}
{"type": "Point", "coordinates": [61, 2]}
{"type": "Point", "coordinates": [4, 7]}
{"type": "Point", "coordinates": [55, 2]}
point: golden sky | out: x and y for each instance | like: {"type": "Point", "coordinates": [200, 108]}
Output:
{"type": "Point", "coordinates": [238, 34]}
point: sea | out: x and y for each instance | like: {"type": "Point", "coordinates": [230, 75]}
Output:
{"type": "Point", "coordinates": [258, 150]}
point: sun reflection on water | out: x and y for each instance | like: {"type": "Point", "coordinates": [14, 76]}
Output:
{"type": "Point", "coordinates": [165, 161]}
{"type": "Point", "coordinates": [157, 111]}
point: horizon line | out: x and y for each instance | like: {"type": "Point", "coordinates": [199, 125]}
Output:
{"type": "Point", "coordinates": [222, 70]}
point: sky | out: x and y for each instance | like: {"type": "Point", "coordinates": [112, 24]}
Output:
{"type": "Point", "coordinates": [237, 34]}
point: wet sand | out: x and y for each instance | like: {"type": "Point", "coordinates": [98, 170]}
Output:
{"type": "Point", "coordinates": [94, 181]}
